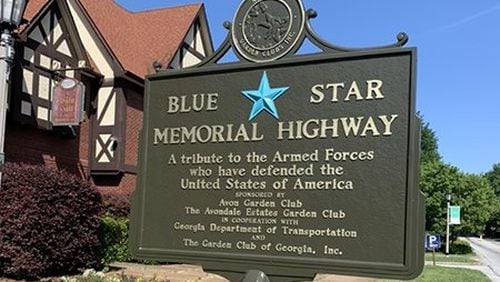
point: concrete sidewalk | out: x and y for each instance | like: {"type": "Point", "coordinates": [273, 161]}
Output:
{"type": "Point", "coordinates": [185, 273]}
{"type": "Point", "coordinates": [188, 273]}
{"type": "Point", "coordinates": [170, 273]}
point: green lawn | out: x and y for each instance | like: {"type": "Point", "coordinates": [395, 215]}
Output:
{"type": "Point", "coordinates": [440, 257]}
{"type": "Point", "coordinates": [444, 274]}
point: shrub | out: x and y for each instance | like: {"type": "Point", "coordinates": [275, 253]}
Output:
{"type": "Point", "coordinates": [113, 230]}
{"type": "Point", "coordinates": [113, 235]}
{"type": "Point", "coordinates": [116, 205]}
{"type": "Point", "coordinates": [460, 247]}
{"type": "Point", "coordinates": [48, 221]}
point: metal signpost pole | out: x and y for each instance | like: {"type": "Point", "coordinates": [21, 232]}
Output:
{"type": "Point", "coordinates": [11, 13]}
{"type": "Point", "coordinates": [448, 199]}
{"type": "Point", "coordinates": [6, 55]}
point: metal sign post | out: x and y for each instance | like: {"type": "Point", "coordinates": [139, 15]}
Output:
{"type": "Point", "coordinates": [433, 241]}
{"type": "Point", "coordinates": [448, 199]}
{"type": "Point", "coordinates": [10, 17]}
{"type": "Point", "coordinates": [6, 57]}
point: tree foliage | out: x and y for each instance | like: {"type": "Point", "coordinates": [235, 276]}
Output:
{"type": "Point", "coordinates": [471, 192]}
{"type": "Point", "coordinates": [477, 201]}
{"type": "Point", "coordinates": [436, 180]}
{"type": "Point", "coordinates": [493, 177]}
{"type": "Point", "coordinates": [475, 194]}
{"type": "Point", "coordinates": [429, 145]}
{"type": "Point", "coordinates": [493, 225]}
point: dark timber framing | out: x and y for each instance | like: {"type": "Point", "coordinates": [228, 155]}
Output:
{"type": "Point", "coordinates": [57, 11]}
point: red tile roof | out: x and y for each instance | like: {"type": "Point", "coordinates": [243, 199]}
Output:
{"type": "Point", "coordinates": [33, 7]}
{"type": "Point", "coordinates": [137, 39]}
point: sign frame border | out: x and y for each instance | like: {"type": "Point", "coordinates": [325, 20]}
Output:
{"type": "Point", "coordinates": [298, 267]}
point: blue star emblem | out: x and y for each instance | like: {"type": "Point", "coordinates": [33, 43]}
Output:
{"type": "Point", "coordinates": [264, 97]}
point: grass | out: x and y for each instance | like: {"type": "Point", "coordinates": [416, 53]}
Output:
{"type": "Point", "coordinates": [448, 274]}
{"type": "Point", "coordinates": [440, 257]}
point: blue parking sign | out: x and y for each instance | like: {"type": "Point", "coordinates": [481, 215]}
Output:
{"type": "Point", "coordinates": [432, 241]}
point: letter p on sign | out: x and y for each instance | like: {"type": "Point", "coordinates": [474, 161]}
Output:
{"type": "Point", "coordinates": [433, 241]}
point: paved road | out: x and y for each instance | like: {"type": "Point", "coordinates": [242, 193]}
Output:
{"type": "Point", "coordinates": [489, 253]}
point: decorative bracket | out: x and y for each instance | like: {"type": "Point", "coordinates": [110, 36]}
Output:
{"type": "Point", "coordinates": [270, 30]}
{"type": "Point", "coordinates": [402, 38]}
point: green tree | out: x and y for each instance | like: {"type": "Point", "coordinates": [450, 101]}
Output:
{"type": "Point", "coordinates": [493, 225]}
{"type": "Point", "coordinates": [493, 177]}
{"type": "Point", "coordinates": [429, 144]}
{"type": "Point", "coordinates": [477, 201]}
{"type": "Point", "coordinates": [436, 180]}
{"type": "Point", "coordinates": [471, 192]}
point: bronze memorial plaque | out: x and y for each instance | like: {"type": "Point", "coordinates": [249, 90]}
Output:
{"type": "Point", "coordinates": [295, 167]}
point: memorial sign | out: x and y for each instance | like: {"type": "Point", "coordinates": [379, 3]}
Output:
{"type": "Point", "coordinates": [307, 162]}
{"type": "Point", "coordinates": [294, 167]}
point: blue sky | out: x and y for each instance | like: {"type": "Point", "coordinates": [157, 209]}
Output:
{"type": "Point", "coordinates": [458, 72]}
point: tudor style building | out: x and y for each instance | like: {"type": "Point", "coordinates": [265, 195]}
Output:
{"type": "Point", "coordinates": [110, 50]}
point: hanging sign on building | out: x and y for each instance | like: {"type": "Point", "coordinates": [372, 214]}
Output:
{"type": "Point", "coordinates": [67, 103]}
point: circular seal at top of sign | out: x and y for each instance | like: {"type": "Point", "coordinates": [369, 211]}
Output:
{"type": "Point", "coordinates": [266, 30]}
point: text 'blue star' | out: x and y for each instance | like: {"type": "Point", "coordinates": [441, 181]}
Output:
{"type": "Point", "coordinates": [264, 98]}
